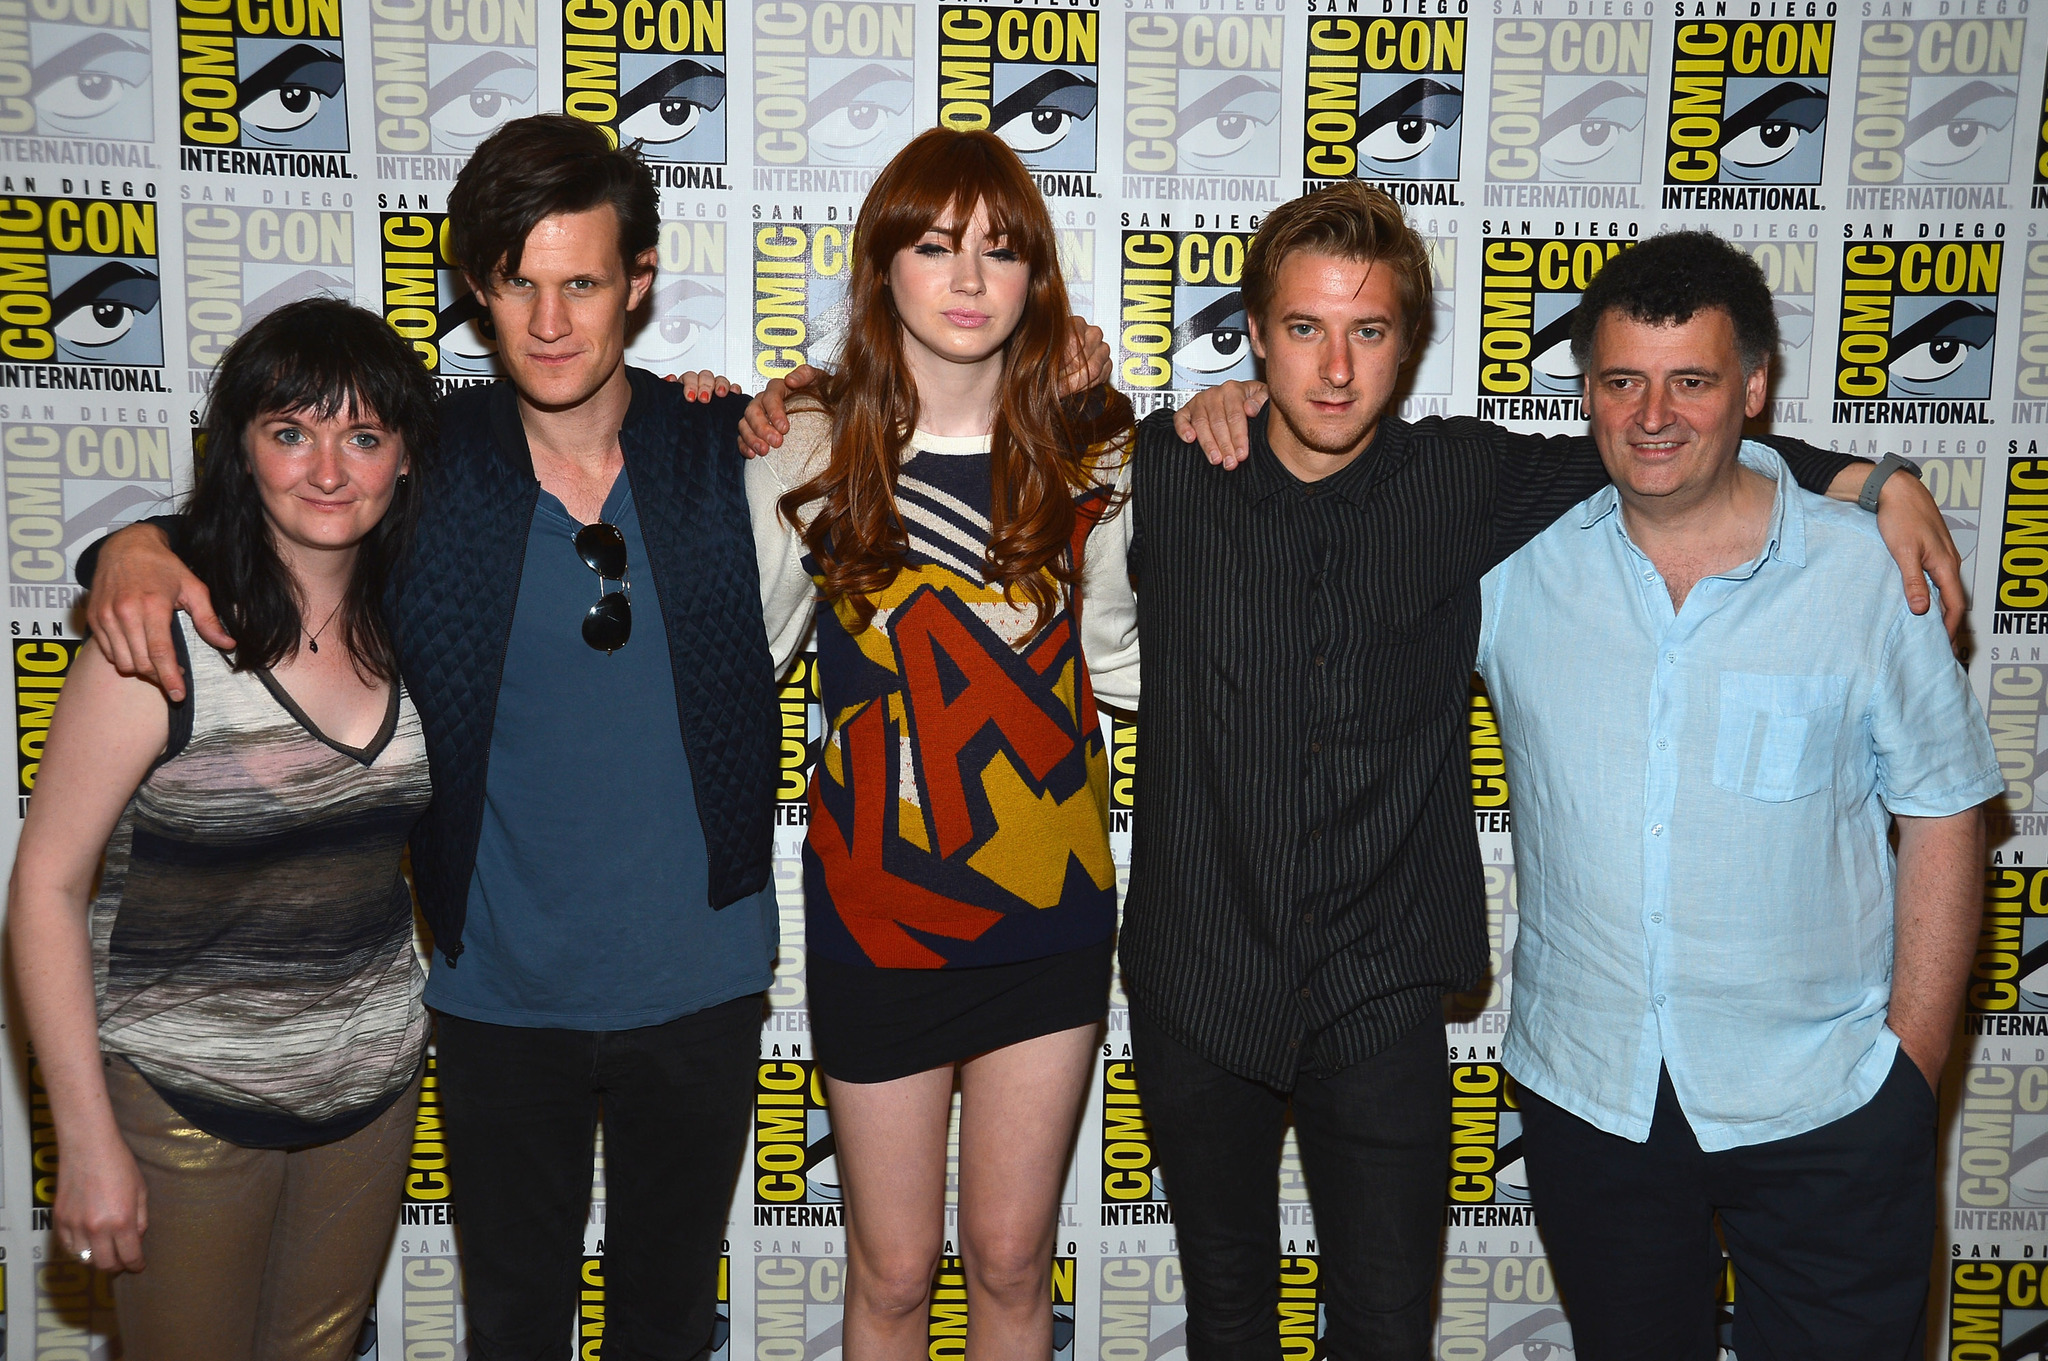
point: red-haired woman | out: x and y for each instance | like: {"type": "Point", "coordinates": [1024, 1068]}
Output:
{"type": "Point", "coordinates": [948, 506]}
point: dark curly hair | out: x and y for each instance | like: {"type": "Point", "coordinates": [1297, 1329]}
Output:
{"type": "Point", "coordinates": [534, 168]}
{"type": "Point", "coordinates": [318, 355]}
{"type": "Point", "coordinates": [1671, 277]}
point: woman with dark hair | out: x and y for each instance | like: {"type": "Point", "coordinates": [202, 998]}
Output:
{"type": "Point", "coordinates": [231, 1030]}
{"type": "Point", "coordinates": [946, 504]}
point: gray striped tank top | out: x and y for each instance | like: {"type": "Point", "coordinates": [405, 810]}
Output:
{"type": "Point", "coordinates": [253, 935]}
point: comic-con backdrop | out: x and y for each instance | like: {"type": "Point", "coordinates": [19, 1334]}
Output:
{"type": "Point", "coordinates": [170, 170]}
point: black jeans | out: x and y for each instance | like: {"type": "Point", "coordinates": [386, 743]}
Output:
{"type": "Point", "coordinates": [1831, 1232]}
{"type": "Point", "coordinates": [1375, 1148]}
{"type": "Point", "coordinates": [521, 1108]}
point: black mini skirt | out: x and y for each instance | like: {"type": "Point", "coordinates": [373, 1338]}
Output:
{"type": "Point", "coordinates": [877, 1025]}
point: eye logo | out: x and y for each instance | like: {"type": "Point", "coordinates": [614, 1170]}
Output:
{"type": "Point", "coordinates": [427, 301]}
{"type": "Point", "coordinates": [1133, 1188]}
{"type": "Point", "coordinates": [444, 85]}
{"type": "Point", "coordinates": [832, 84]}
{"type": "Point", "coordinates": [1030, 77]}
{"type": "Point", "coordinates": [1998, 1307]}
{"type": "Point", "coordinates": [1749, 105]}
{"type": "Point", "coordinates": [1937, 102]}
{"type": "Point", "coordinates": [800, 278]}
{"type": "Point", "coordinates": [241, 264]}
{"type": "Point", "coordinates": [262, 76]}
{"type": "Point", "coordinates": [2031, 379]}
{"type": "Point", "coordinates": [796, 1162]}
{"type": "Point", "coordinates": [1385, 99]}
{"type": "Point", "coordinates": [1530, 291]}
{"type": "Point", "coordinates": [1917, 323]}
{"type": "Point", "coordinates": [69, 484]}
{"type": "Point", "coordinates": [1503, 1309]}
{"type": "Point", "coordinates": [1568, 101]}
{"type": "Point", "coordinates": [1202, 98]}
{"type": "Point", "coordinates": [90, 82]}
{"type": "Point", "coordinates": [797, 1306]}
{"type": "Point", "coordinates": [1183, 322]}
{"type": "Point", "coordinates": [652, 73]}
{"type": "Point", "coordinates": [79, 283]}
{"type": "Point", "coordinates": [684, 325]}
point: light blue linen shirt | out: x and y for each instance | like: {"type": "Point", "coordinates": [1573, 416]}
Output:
{"type": "Point", "coordinates": [1701, 801]}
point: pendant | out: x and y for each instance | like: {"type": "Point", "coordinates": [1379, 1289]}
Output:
{"type": "Point", "coordinates": [313, 643]}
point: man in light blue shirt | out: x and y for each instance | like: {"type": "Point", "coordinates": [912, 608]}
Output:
{"type": "Point", "coordinates": [1728, 998]}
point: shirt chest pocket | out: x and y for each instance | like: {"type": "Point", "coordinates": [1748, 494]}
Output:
{"type": "Point", "coordinates": [1777, 734]}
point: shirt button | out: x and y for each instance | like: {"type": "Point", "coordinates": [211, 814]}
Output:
{"type": "Point", "coordinates": [1294, 1043]}
{"type": "Point", "coordinates": [1661, 744]}
{"type": "Point", "coordinates": [1657, 829]}
{"type": "Point", "coordinates": [1671, 657]}
{"type": "Point", "coordinates": [1319, 659]}
{"type": "Point", "coordinates": [1316, 835]}
{"type": "Point", "coordinates": [1657, 918]}
{"type": "Point", "coordinates": [1649, 576]}
{"type": "Point", "coordinates": [1660, 999]}
{"type": "Point", "coordinates": [1315, 748]}
{"type": "Point", "coordinates": [1308, 919]}
{"type": "Point", "coordinates": [1304, 994]}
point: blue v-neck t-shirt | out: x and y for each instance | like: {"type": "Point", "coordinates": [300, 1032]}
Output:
{"type": "Point", "coordinates": [589, 908]}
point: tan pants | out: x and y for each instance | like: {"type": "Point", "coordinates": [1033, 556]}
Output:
{"type": "Point", "coordinates": [254, 1254]}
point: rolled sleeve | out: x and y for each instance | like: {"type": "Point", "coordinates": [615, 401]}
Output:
{"type": "Point", "coordinates": [1932, 745]}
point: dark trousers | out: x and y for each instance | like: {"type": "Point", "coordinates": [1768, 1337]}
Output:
{"type": "Point", "coordinates": [1375, 1148]}
{"type": "Point", "coordinates": [521, 1109]}
{"type": "Point", "coordinates": [1831, 1232]}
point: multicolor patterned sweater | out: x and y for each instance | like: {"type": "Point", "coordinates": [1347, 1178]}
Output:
{"type": "Point", "coordinates": [959, 814]}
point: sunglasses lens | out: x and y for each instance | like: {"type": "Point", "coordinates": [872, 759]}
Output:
{"type": "Point", "coordinates": [603, 550]}
{"type": "Point", "coordinates": [609, 623]}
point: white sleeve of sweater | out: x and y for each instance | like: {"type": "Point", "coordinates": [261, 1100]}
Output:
{"type": "Point", "coordinates": [788, 595]}
{"type": "Point", "coordinates": [1109, 605]}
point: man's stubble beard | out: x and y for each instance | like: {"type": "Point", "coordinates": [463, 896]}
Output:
{"type": "Point", "coordinates": [1330, 446]}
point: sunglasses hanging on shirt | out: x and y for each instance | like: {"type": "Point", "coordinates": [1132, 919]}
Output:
{"type": "Point", "coordinates": [609, 623]}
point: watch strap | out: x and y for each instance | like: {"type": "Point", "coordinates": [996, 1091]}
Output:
{"type": "Point", "coordinates": [1874, 484]}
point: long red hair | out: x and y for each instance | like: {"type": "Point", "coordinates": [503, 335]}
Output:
{"type": "Point", "coordinates": [1043, 450]}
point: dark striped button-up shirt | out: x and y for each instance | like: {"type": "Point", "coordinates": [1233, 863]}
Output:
{"type": "Point", "coordinates": [1305, 883]}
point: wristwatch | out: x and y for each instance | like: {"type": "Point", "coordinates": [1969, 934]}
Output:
{"type": "Point", "coordinates": [1874, 484]}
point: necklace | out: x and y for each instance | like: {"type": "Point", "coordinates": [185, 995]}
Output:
{"type": "Point", "coordinates": [313, 642]}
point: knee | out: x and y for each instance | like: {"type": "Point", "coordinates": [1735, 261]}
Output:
{"type": "Point", "coordinates": [1010, 1272]}
{"type": "Point", "coordinates": [892, 1282]}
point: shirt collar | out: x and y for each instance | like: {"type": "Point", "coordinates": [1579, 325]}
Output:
{"type": "Point", "coordinates": [1263, 475]}
{"type": "Point", "coordinates": [1786, 540]}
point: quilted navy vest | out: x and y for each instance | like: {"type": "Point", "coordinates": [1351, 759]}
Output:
{"type": "Point", "coordinates": [451, 617]}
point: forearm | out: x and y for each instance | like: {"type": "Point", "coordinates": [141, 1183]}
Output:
{"type": "Point", "coordinates": [1939, 909]}
{"type": "Point", "coordinates": [159, 531]}
{"type": "Point", "coordinates": [1820, 470]}
{"type": "Point", "coordinates": [53, 981]}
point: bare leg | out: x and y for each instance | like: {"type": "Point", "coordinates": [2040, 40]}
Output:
{"type": "Point", "coordinates": [891, 1141]}
{"type": "Point", "coordinates": [1018, 1110]}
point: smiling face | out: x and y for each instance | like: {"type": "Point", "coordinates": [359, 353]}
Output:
{"type": "Point", "coordinates": [1667, 402]}
{"type": "Point", "coordinates": [560, 319]}
{"type": "Point", "coordinates": [1333, 338]}
{"type": "Point", "coordinates": [959, 299]}
{"type": "Point", "coordinates": [326, 481]}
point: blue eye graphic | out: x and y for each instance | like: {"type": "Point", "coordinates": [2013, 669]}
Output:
{"type": "Point", "coordinates": [1039, 115]}
{"type": "Point", "coordinates": [669, 105]}
{"type": "Point", "coordinates": [290, 89]}
{"type": "Point", "coordinates": [1407, 122]}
